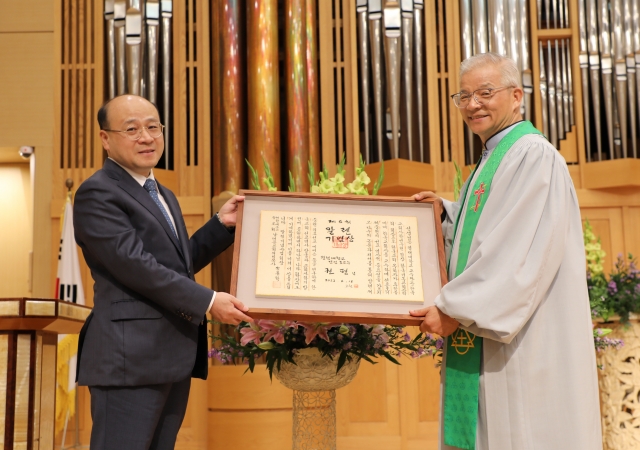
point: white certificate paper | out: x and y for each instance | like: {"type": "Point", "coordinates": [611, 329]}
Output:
{"type": "Point", "coordinates": [338, 256]}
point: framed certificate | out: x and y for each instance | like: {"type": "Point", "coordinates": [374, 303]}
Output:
{"type": "Point", "coordinates": [337, 258]}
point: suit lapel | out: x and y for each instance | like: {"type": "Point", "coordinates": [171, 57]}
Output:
{"type": "Point", "coordinates": [181, 228]}
{"type": "Point", "coordinates": [131, 187]}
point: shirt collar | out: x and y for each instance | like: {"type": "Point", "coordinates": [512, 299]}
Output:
{"type": "Point", "coordinates": [494, 140]}
{"type": "Point", "coordinates": [140, 179]}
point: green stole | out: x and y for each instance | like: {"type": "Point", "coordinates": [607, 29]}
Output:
{"type": "Point", "coordinates": [464, 349]}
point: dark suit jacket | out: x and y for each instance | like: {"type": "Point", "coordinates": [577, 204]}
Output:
{"type": "Point", "coordinates": [147, 325]}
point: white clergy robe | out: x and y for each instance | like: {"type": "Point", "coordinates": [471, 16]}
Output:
{"type": "Point", "coordinates": [524, 291]}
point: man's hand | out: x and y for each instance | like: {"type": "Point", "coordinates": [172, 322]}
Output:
{"type": "Point", "coordinates": [229, 211]}
{"type": "Point", "coordinates": [228, 309]}
{"type": "Point", "coordinates": [435, 321]}
{"type": "Point", "coordinates": [427, 194]}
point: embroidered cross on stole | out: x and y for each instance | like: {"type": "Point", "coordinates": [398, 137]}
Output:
{"type": "Point", "coordinates": [464, 349]}
{"type": "Point", "coordinates": [478, 193]}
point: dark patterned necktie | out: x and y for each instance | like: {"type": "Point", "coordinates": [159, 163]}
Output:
{"type": "Point", "coordinates": [150, 186]}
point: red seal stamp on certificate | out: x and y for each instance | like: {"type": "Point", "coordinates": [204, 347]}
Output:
{"type": "Point", "coordinates": [340, 241]}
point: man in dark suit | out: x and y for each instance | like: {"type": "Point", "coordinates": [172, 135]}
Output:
{"type": "Point", "coordinates": [146, 336]}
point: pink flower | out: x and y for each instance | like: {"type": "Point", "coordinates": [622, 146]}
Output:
{"type": "Point", "coordinates": [317, 329]}
{"type": "Point", "coordinates": [251, 333]}
{"type": "Point", "coordinates": [275, 329]}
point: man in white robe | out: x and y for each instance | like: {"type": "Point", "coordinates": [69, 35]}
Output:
{"type": "Point", "coordinates": [523, 288]}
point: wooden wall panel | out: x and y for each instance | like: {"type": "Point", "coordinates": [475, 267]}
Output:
{"type": "Point", "coordinates": [608, 225]}
{"type": "Point", "coordinates": [445, 128]}
{"type": "Point", "coordinates": [367, 395]}
{"type": "Point", "coordinates": [369, 406]}
{"type": "Point", "coordinates": [193, 433]}
{"type": "Point", "coordinates": [15, 222]}
{"type": "Point", "coordinates": [26, 84]}
{"type": "Point", "coordinates": [250, 430]}
{"type": "Point", "coordinates": [248, 411]}
{"type": "Point", "coordinates": [26, 16]}
{"type": "Point", "coordinates": [631, 223]}
{"type": "Point", "coordinates": [428, 382]}
{"type": "Point", "coordinates": [420, 403]}
{"type": "Point", "coordinates": [338, 84]}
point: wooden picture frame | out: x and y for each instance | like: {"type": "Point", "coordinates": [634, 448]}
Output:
{"type": "Point", "coordinates": [244, 274]}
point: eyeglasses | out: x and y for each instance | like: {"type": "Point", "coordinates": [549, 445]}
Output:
{"type": "Point", "coordinates": [135, 133]}
{"type": "Point", "coordinates": [481, 96]}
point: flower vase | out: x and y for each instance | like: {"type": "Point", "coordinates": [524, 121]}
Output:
{"type": "Point", "coordinates": [619, 382]}
{"type": "Point", "coordinates": [314, 381]}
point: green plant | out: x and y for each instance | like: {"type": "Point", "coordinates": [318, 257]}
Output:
{"type": "Point", "coordinates": [615, 295]}
{"type": "Point", "coordinates": [267, 180]}
{"type": "Point", "coordinates": [457, 182]}
{"type": "Point", "coordinates": [279, 341]}
{"type": "Point", "coordinates": [336, 184]}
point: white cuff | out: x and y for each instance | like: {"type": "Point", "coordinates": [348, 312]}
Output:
{"type": "Point", "coordinates": [213, 297]}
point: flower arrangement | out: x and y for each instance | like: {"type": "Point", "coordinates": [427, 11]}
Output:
{"type": "Point", "coordinates": [279, 341]}
{"type": "Point", "coordinates": [605, 297]}
{"type": "Point", "coordinates": [618, 294]}
{"type": "Point", "coordinates": [335, 185]}
{"type": "Point", "coordinates": [325, 184]}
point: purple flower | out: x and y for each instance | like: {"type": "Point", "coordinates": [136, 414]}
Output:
{"type": "Point", "coordinates": [613, 288]}
{"type": "Point", "coordinates": [220, 356]}
{"type": "Point", "coordinates": [407, 338]}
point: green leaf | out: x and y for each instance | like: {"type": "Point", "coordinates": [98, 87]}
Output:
{"type": "Point", "coordinates": [378, 182]}
{"type": "Point", "coordinates": [366, 358]}
{"type": "Point", "coordinates": [292, 183]}
{"type": "Point", "coordinates": [390, 358]}
{"type": "Point", "coordinates": [255, 181]}
{"type": "Point", "coordinates": [311, 173]}
{"type": "Point", "coordinates": [457, 182]}
{"type": "Point", "coordinates": [343, 160]}
{"type": "Point", "coordinates": [341, 360]}
{"type": "Point", "coordinates": [325, 171]}
{"type": "Point", "coordinates": [268, 180]}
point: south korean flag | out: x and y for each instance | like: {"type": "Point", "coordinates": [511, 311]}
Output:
{"type": "Point", "coordinates": [69, 282]}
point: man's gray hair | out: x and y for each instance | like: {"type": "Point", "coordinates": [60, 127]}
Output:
{"type": "Point", "coordinates": [508, 67]}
